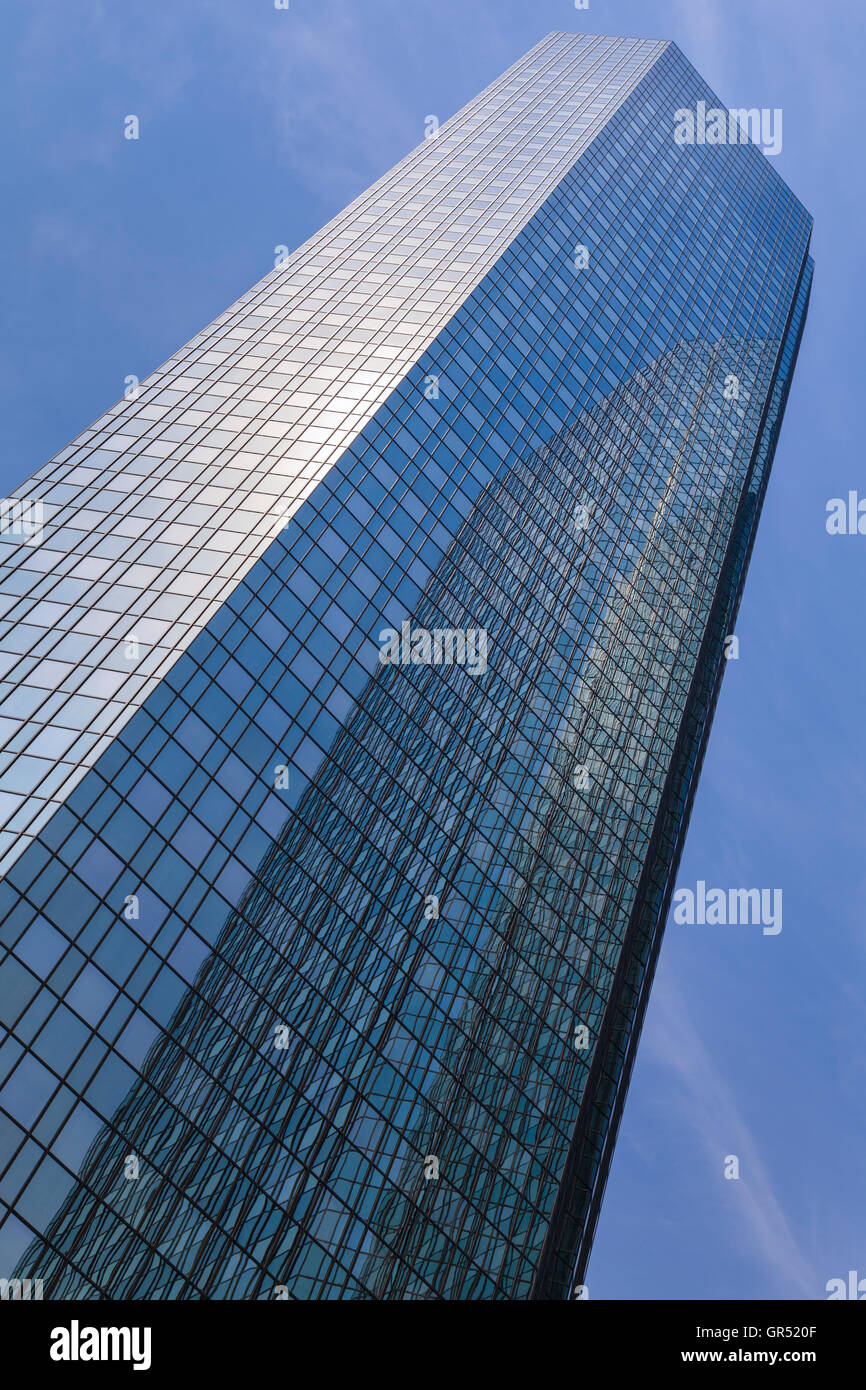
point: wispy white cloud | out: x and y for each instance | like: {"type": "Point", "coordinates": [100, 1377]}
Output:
{"type": "Point", "coordinates": [701, 31]}
{"type": "Point", "coordinates": [713, 1112]}
{"type": "Point", "coordinates": [60, 238]}
{"type": "Point", "coordinates": [317, 77]}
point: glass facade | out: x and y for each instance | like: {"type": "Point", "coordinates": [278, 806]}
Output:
{"type": "Point", "coordinates": [322, 974]}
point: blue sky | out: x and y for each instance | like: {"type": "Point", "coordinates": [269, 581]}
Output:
{"type": "Point", "coordinates": [257, 126]}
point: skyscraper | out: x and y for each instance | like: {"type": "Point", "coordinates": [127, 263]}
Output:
{"type": "Point", "coordinates": [357, 674]}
